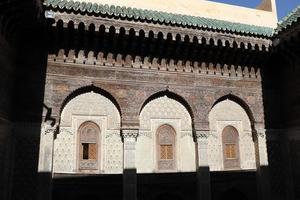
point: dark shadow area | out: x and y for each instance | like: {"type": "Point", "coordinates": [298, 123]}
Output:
{"type": "Point", "coordinates": [203, 187]}
{"type": "Point", "coordinates": [129, 184]}
{"type": "Point", "coordinates": [281, 90]}
{"type": "Point", "coordinates": [80, 187]}
{"type": "Point", "coordinates": [233, 194]}
{"type": "Point", "coordinates": [146, 46]}
{"type": "Point", "coordinates": [236, 185]}
{"type": "Point", "coordinates": [167, 196]}
{"type": "Point", "coordinates": [240, 185]}
{"type": "Point", "coordinates": [23, 38]}
{"type": "Point", "coordinates": [164, 186]}
{"type": "Point", "coordinates": [275, 116]}
{"type": "Point", "coordinates": [48, 117]}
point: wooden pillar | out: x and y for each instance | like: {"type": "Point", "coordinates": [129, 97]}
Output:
{"type": "Point", "coordinates": [129, 166]}
{"type": "Point", "coordinates": [45, 168]}
{"type": "Point", "coordinates": [203, 172]}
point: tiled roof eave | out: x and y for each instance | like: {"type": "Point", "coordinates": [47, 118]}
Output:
{"type": "Point", "coordinates": [151, 16]}
{"type": "Point", "coordinates": [288, 21]}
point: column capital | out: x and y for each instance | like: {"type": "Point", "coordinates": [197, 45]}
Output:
{"type": "Point", "coordinates": [130, 133]}
{"type": "Point", "coordinates": [202, 134]}
{"type": "Point", "coordinates": [47, 128]}
{"type": "Point", "coordinates": [261, 133]}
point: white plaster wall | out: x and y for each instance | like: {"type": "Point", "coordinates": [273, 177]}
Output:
{"type": "Point", "coordinates": [161, 111]}
{"type": "Point", "coordinates": [230, 113]}
{"type": "Point", "coordinates": [100, 110]}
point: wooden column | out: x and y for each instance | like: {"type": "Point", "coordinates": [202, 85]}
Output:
{"type": "Point", "coordinates": [203, 172]}
{"type": "Point", "coordinates": [129, 166]}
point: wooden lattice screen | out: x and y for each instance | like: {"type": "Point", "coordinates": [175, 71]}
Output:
{"type": "Point", "coordinates": [230, 140]}
{"type": "Point", "coordinates": [166, 148]}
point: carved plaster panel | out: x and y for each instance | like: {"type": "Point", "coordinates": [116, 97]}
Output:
{"type": "Point", "coordinates": [229, 113]}
{"type": "Point", "coordinates": [158, 112]}
{"type": "Point", "coordinates": [100, 110]}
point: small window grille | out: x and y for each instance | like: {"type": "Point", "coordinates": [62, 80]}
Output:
{"type": "Point", "coordinates": [166, 152]}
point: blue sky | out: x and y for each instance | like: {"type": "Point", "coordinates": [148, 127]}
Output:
{"type": "Point", "coordinates": [283, 6]}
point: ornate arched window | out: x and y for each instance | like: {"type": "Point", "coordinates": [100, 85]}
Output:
{"type": "Point", "coordinates": [166, 148]}
{"type": "Point", "coordinates": [231, 154]}
{"type": "Point", "coordinates": [88, 146]}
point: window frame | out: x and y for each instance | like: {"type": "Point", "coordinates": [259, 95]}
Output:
{"type": "Point", "coordinates": [80, 160]}
{"type": "Point", "coordinates": [234, 141]}
{"type": "Point", "coordinates": [158, 148]}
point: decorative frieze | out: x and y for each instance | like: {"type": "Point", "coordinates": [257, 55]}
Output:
{"type": "Point", "coordinates": [88, 165]}
{"type": "Point", "coordinates": [145, 134]}
{"type": "Point", "coordinates": [134, 63]}
{"type": "Point", "coordinates": [186, 134]}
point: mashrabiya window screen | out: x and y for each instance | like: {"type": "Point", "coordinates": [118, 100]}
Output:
{"type": "Point", "coordinates": [230, 140]}
{"type": "Point", "coordinates": [166, 147]}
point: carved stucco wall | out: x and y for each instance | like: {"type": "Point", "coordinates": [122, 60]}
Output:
{"type": "Point", "coordinates": [157, 112]}
{"type": "Point", "coordinates": [230, 113]}
{"type": "Point", "coordinates": [100, 110]}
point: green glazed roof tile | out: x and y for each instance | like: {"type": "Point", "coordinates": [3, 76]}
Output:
{"type": "Point", "coordinates": [289, 20]}
{"type": "Point", "coordinates": [161, 17]}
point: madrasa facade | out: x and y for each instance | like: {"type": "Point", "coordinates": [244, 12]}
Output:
{"type": "Point", "coordinates": [148, 100]}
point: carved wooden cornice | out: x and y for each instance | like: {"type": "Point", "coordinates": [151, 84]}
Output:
{"type": "Point", "coordinates": [163, 65]}
{"type": "Point", "coordinates": [215, 38]}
